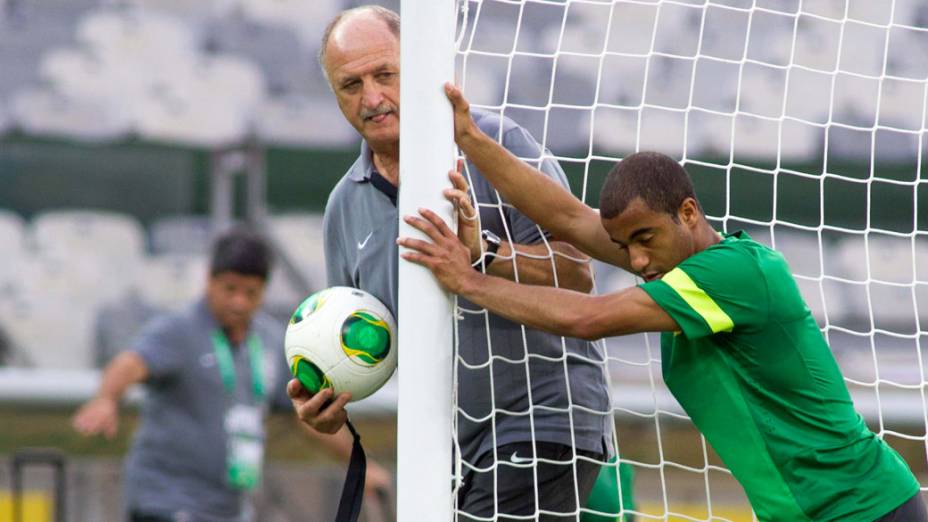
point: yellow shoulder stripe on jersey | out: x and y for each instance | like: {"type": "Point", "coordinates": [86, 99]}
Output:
{"type": "Point", "coordinates": [699, 300]}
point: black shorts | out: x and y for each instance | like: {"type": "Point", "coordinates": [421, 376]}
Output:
{"type": "Point", "coordinates": [513, 490]}
{"type": "Point", "coordinates": [138, 516]}
{"type": "Point", "coordinates": [913, 510]}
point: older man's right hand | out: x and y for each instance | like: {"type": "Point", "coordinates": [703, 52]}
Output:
{"type": "Point", "coordinates": [321, 411]}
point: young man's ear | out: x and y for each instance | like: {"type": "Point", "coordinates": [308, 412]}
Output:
{"type": "Point", "coordinates": [689, 212]}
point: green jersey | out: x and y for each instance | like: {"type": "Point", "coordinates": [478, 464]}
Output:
{"type": "Point", "coordinates": [752, 369]}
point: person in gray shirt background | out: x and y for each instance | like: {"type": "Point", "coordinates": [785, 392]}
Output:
{"type": "Point", "coordinates": [211, 373]}
{"type": "Point", "coordinates": [499, 428]}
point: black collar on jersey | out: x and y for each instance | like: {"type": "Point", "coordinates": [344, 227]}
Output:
{"type": "Point", "coordinates": [380, 183]}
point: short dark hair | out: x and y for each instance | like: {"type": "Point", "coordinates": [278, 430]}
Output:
{"type": "Point", "coordinates": [389, 17]}
{"type": "Point", "coordinates": [656, 178]}
{"type": "Point", "coordinates": [241, 251]}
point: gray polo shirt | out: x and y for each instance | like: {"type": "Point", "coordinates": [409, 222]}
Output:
{"type": "Point", "coordinates": [361, 225]}
{"type": "Point", "coordinates": [177, 462]}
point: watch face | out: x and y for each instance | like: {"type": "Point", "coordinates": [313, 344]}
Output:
{"type": "Point", "coordinates": [490, 237]}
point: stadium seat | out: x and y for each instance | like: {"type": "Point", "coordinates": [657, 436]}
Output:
{"type": "Point", "coordinates": [293, 120]}
{"type": "Point", "coordinates": [12, 233]}
{"type": "Point", "coordinates": [615, 130]}
{"type": "Point", "coordinates": [48, 330]}
{"type": "Point", "coordinates": [152, 38]}
{"type": "Point", "coordinates": [301, 237]}
{"type": "Point", "coordinates": [189, 234]}
{"type": "Point", "coordinates": [44, 112]}
{"type": "Point", "coordinates": [902, 105]}
{"type": "Point", "coordinates": [88, 232]}
{"type": "Point", "coordinates": [885, 267]}
{"type": "Point", "coordinates": [179, 113]}
{"type": "Point", "coordinates": [85, 254]}
{"type": "Point", "coordinates": [308, 19]}
{"type": "Point", "coordinates": [171, 281]}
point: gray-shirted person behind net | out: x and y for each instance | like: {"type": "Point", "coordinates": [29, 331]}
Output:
{"type": "Point", "coordinates": [211, 372]}
{"type": "Point", "coordinates": [500, 431]}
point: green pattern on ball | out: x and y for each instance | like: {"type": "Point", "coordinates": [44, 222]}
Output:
{"type": "Point", "coordinates": [310, 376]}
{"type": "Point", "coordinates": [365, 338]}
{"type": "Point", "coordinates": [308, 306]}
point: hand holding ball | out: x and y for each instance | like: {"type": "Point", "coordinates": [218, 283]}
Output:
{"type": "Point", "coordinates": [342, 338]}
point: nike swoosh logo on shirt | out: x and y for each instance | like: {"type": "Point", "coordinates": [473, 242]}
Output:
{"type": "Point", "coordinates": [362, 244]}
{"type": "Point", "coordinates": [516, 459]}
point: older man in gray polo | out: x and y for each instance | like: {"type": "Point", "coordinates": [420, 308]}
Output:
{"type": "Point", "coordinates": [360, 56]}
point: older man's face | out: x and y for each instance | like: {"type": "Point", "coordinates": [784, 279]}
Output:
{"type": "Point", "coordinates": [363, 65]}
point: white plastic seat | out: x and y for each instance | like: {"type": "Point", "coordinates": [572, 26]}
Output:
{"type": "Point", "coordinates": [89, 255]}
{"type": "Point", "coordinates": [301, 237]}
{"type": "Point", "coordinates": [12, 234]}
{"type": "Point", "coordinates": [293, 120]}
{"type": "Point", "coordinates": [101, 234]}
{"type": "Point", "coordinates": [886, 267]}
{"type": "Point", "coordinates": [45, 112]}
{"type": "Point", "coordinates": [153, 39]}
{"type": "Point", "coordinates": [172, 281]}
{"type": "Point", "coordinates": [308, 19]}
{"type": "Point", "coordinates": [183, 234]}
{"type": "Point", "coordinates": [181, 114]}
{"type": "Point", "coordinates": [48, 330]}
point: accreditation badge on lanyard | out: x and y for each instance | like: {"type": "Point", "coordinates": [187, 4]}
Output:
{"type": "Point", "coordinates": [243, 422]}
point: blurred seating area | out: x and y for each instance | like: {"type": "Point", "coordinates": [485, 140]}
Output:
{"type": "Point", "coordinates": [213, 73]}
{"type": "Point", "coordinates": [76, 285]}
{"type": "Point", "coordinates": [203, 74]}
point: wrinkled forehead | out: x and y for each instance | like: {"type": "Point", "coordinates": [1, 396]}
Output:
{"type": "Point", "coordinates": [358, 44]}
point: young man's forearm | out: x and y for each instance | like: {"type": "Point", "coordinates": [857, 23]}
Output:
{"type": "Point", "coordinates": [529, 190]}
{"type": "Point", "coordinates": [537, 265]}
{"type": "Point", "coordinates": [565, 312]}
{"type": "Point", "coordinates": [540, 198]}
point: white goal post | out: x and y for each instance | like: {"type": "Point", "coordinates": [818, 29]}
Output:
{"type": "Point", "coordinates": [425, 312]}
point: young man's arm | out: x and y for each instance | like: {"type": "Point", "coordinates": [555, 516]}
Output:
{"type": "Point", "coordinates": [554, 310]}
{"type": "Point", "coordinates": [101, 414]}
{"type": "Point", "coordinates": [548, 264]}
{"type": "Point", "coordinates": [537, 196]}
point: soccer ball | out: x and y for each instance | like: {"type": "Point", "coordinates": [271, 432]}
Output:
{"type": "Point", "coordinates": [342, 338]}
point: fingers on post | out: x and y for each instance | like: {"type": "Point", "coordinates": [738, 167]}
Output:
{"type": "Point", "coordinates": [426, 226]}
{"type": "Point", "coordinates": [453, 92]}
{"type": "Point", "coordinates": [438, 223]}
{"type": "Point", "coordinates": [457, 180]}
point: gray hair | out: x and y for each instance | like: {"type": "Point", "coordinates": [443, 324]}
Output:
{"type": "Point", "coordinates": [389, 17]}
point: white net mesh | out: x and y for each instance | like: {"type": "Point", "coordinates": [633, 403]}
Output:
{"type": "Point", "coordinates": [802, 122]}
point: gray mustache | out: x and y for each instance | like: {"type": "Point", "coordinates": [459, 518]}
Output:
{"type": "Point", "coordinates": [370, 113]}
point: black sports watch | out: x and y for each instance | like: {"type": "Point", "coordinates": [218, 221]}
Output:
{"type": "Point", "coordinates": [493, 243]}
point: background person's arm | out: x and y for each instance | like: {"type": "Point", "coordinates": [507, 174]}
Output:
{"type": "Point", "coordinates": [101, 414]}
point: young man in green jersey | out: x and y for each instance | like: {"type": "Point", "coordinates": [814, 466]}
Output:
{"type": "Point", "coordinates": [741, 351]}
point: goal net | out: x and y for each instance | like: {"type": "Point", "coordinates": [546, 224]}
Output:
{"type": "Point", "coordinates": [802, 122]}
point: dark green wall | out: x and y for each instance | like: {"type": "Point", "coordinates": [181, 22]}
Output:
{"type": "Point", "coordinates": [148, 180]}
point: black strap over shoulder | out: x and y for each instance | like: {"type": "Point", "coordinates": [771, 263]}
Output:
{"type": "Point", "coordinates": [349, 506]}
